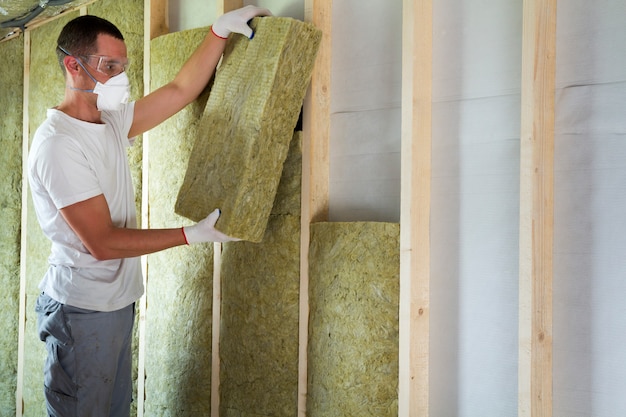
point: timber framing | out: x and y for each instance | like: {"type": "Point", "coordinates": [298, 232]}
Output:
{"type": "Point", "coordinates": [536, 208]}
{"type": "Point", "coordinates": [536, 202]}
{"type": "Point", "coordinates": [414, 315]}
{"type": "Point", "coordinates": [315, 170]}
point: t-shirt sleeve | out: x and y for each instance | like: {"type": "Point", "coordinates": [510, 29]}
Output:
{"type": "Point", "coordinates": [64, 171]}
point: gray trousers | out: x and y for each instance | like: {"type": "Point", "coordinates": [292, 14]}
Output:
{"type": "Point", "coordinates": [88, 369]}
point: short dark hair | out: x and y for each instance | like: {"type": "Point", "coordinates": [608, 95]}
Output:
{"type": "Point", "coordinates": [78, 37]}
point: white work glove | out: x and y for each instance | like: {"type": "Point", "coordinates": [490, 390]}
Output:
{"type": "Point", "coordinates": [205, 231]}
{"type": "Point", "coordinates": [237, 21]}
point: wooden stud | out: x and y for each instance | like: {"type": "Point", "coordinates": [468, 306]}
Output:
{"type": "Point", "coordinates": [215, 330]}
{"type": "Point", "coordinates": [536, 208]}
{"type": "Point", "coordinates": [156, 23]}
{"type": "Point", "coordinates": [19, 395]}
{"type": "Point", "coordinates": [223, 6]}
{"type": "Point", "coordinates": [315, 171]}
{"type": "Point", "coordinates": [417, 38]}
{"type": "Point", "coordinates": [158, 19]}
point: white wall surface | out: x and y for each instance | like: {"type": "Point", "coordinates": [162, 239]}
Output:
{"type": "Point", "coordinates": [590, 208]}
{"type": "Point", "coordinates": [366, 93]}
{"type": "Point", "coordinates": [475, 202]}
{"type": "Point", "coordinates": [475, 207]}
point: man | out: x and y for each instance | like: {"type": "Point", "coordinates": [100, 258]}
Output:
{"type": "Point", "coordinates": [83, 196]}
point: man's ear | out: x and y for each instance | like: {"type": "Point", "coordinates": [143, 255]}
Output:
{"type": "Point", "coordinates": [71, 65]}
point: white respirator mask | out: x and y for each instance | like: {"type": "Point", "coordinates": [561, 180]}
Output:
{"type": "Point", "coordinates": [113, 93]}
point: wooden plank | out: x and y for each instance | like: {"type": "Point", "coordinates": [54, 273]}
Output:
{"type": "Point", "coordinates": [215, 330]}
{"type": "Point", "coordinates": [417, 38]}
{"type": "Point", "coordinates": [158, 19]}
{"type": "Point", "coordinates": [156, 23]}
{"type": "Point", "coordinates": [225, 6]}
{"type": "Point", "coordinates": [536, 208]}
{"type": "Point", "coordinates": [315, 170]}
{"type": "Point", "coordinates": [19, 395]}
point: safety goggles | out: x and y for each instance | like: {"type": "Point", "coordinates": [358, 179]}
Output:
{"type": "Point", "coordinates": [107, 65]}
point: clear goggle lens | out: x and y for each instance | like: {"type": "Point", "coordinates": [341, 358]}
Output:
{"type": "Point", "coordinates": [107, 65]}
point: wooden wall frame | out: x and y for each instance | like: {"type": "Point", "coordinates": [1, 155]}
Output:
{"type": "Point", "coordinates": [414, 355]}
{"type": "Point", "coordinates": [536, 201]}
{"type": "Point", "coordinates": [536, 208]}
{"type": "Point", "coordinates": [315, 171]}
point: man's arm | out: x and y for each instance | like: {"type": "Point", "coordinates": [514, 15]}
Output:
{"type": "Point", "coordinates": [194, 75]}
{"type": "Point", "coordinates": [91, 221]}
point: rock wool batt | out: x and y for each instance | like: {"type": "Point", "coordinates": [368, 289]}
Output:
{"type": "Point", "coordinates": [354, 273]}
{"type": "Point", "coordinates": [247, 125]}
{"type": "Point", "coordinates": [12, 87]}
{"type": "Point", "coordinates": [179, 287]}
{"type": "Point", "coordinates": [260, 309]}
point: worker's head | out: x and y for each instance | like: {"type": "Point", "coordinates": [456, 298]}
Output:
{"type": "Point", "coordinates": [79, 37]}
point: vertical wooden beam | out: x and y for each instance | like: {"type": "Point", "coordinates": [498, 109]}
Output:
{"type": "Point", "coordinates": [536, 208]}
{"type": "Point", "coordinates": [417, 38]}
{"type": "Point", "coordinates": [215, 330]}
{"type": "Point", "coordinates": [315, 170]}
{"type": "Point", "coordinates": [19, 395]}
{"type": "Point", "coordinates": [156, 23]}
{"type": "Point", "coordinates": [223, 6]}
{"type": "Point", "coordinates": [157, 20]}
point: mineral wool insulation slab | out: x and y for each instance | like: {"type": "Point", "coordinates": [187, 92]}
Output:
{"type": "Point", "coordinates": [253, 108]}
{"type": "Point", "coordinates": [260, 309]}
{"type": "Point", "coordinates": [46, 90]}
{"type": "Point", "coordinates": [353, 325]}
{"type": "Point", "coordinates": [11, 85]}
{"type": "Point", "coordinates": [129, 19]}
{"type": "Point", "coordinates": [179, 286]}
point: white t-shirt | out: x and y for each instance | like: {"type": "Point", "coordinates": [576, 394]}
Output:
{"type": "Point", "coordinates": [71, 161]}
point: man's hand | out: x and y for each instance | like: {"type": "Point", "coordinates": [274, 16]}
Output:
{"type": "Point", "coordinates": [205, 231]}
{"type": "Point", "coordinates": [237, 21]}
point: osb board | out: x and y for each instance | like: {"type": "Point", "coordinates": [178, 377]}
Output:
{"type": "Point", "coordinates": [260, 308]}
{"type": "Point", "coordinates": [179, 289]}
{"type": "Point", "coordinates": [247, 126]}
{"type": "Point", "coordinates": [12, 87]}
{"type": "Point", "coordinates": [353, 322]}
{"type": "Point", "coordinates": [46, 90]}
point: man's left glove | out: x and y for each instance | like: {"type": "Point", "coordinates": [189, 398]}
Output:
{"type": "Point", "coordinates": [237, 21]}
{"type": "Point", "coordinates": [205, 231]}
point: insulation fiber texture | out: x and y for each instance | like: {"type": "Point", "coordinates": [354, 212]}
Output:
{"type": "Point", "coordinates": [42, 95]}
{"type": "Point", "coordinates": [260, 309]}
{"type": "Point", "coordinates": [247, 125]}
{"type": "Point", "coordinates": [129, 19]}
{"type": "Point", "coordinates": [179, 287]}
{"type": "Point", "coordinates": [11, 85]}
{"type": "Point", "coordinates": [353, 325]}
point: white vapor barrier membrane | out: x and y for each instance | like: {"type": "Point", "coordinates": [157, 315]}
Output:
{"type": "Point", "coordinates": [366, 93]}
{"type": "Point", "coordinates": [590, 207]}
{"type": "Point", "coordinates": [475, 208]}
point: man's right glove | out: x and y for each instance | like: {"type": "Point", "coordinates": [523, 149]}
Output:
{"type": "Point", "coordinates": [237, 21]}
{"type": "Point", "coordinates": [205, 231]}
